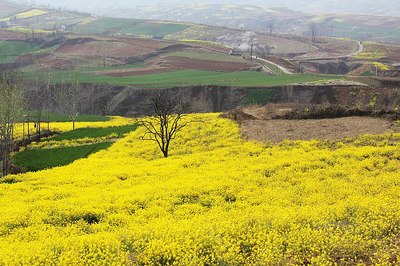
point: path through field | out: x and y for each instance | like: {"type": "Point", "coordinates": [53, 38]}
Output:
{"type": "Point", "coordinates": [359, 51]}
{"type": "Point", "coordinates": [283, 69]}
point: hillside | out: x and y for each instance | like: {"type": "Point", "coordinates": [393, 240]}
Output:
{"type": "Point", "coordinates": [370, 7]}
{"type": "Point", "coordinates": [9, 8]}
{"type": "Point", "coordinates": [164, 142]}
{"type": "Point", "coordinates": [217, 200]}
{"type": "Point", "coordinates": [363, 27]}
{"type": "Point", "coordinates": [156, 53]}
{"type": "Point", "coordinates": [141, 53]}
{"type": "Point", "coordinates": [361, 19]}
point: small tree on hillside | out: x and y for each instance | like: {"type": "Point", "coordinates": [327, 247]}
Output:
{"type": "Point", "coordinates": [11, 102]}
{"type": "Point", "coordinates": [166, 120]}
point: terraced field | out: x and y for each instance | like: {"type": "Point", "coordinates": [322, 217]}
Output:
{"type": "Point", "coordinates": [27, 14]}
{"type": "Point", "coordinates": [193, 54]}
{"type": "Point", "coordinates": [10, 50]}
{"type": "Point", "coordinates": [183, 78]}
{"type": "Point", "coordinates": [111, 26]}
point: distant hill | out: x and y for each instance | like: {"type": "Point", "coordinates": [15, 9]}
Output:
{"type": "Point", "coordinates": [370, 7]}
{"type": "Point", "coordinates": [283, 20]}
{"type": "Point", "coordinates": [9, 8]}
{"type": "Point", "coordinates": [331, 17]}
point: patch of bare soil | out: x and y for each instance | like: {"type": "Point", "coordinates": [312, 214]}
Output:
{"type": "Point", "coordinates": [138, 72]}
{"type": "Point", "coordinates": [323, 129]}
{"type": "Point", "coordinates": [257, 123]}
{"type": "Point", "coordinates": [238, 116]}
{"type": "Point", "coordinates": [109, 48]}
{"type": "Point", "coordinates": [6, 35]}
{"type": "Point", "coordinates": [172, 63]}
{"type": "Point", "coordinates": [189, 63]}
{"type": "Point", "coordinates": [282, 62]}
{"type": "Point", "coordinates": [57, 63]}
{"type": "Point", "coordinates": [393, 52]}
{"type": "Point", "coordinates": [271, 110]}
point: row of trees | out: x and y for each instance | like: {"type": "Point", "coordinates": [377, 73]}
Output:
{"type": "Point", "coordinates": [37, 100]}
{"type": "Point", "coordinates": [11, 102]}
{"type": "Point", "coordinates": [167, 111]}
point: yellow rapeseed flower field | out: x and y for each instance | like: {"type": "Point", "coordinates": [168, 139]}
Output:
{"type": "Point", "coordinates": [115, 121]}
{"type": "Point", "coordinates": [218, 200]}
{"type": "Point", "coordinates": [28, 14]}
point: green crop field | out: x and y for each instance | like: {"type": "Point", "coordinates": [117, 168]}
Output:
{"type": "Point", "coordinates": [93, 133]}
{"type": "Point", "coordinates": [115, 67]}
{"type": "Point", "coordinates": [196, 77]}
{"type": "Point", "coordinates": [53, 117]}
{"type": "Point", "coordinates": [130, 27]}
{"type": "Point", "coordinates": [183, 78]}
{"type": "Point", "coordinates": [274, 69]}
{"type": "Point", "coordinates": [10, 50]}
{"type": "Point", "coordinates": [37, 159]}
{"type": "Point", "coordinates": [259, 96]}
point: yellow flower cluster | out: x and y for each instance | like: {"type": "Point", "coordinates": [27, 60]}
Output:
{"type": "Point", "coordinates": [218, 200]}
{"type": "Point", "coordinates": [67, 126]}
{"type": "Point", "coordinates": [381, 66]}
{"type": "Point", "coordinates": [372, 50]}
{"type": "Point", "coordinates": [52, 144]}
{"type": "Point", "coordinates": [27, 14]}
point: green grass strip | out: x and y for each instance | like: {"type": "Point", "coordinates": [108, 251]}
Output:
{"type": "Point", "coordinates": [94, 133]}
{"type": "Point", "coordinates": [35, 160]}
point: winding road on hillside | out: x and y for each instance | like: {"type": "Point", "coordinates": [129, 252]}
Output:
{"type": "Point", "coordinates": [283, 69]}
{"type": "Point", "coordinates": [360, 49]}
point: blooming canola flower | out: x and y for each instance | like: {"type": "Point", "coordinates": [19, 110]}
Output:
{"type": "Point", "coordinates": [218, 199]}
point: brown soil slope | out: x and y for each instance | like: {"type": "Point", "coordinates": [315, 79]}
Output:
{"type": "Point", "coordinates": [110, 48]}
{"type": "Point", "coordinates": [323, 129]}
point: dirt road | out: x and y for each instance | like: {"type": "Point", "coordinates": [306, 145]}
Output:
{"type": "Point", "coordinates": [283, 69]}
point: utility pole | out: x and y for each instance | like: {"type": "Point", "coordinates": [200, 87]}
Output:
{"type": "Point", "coordinates": [29, 136]}
{"type": "Point", "coordinates": [251, 51]}
{"type": "Point", "coordinates": [23, 130]}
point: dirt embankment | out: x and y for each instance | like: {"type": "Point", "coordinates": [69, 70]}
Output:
{"type": "Point", "coordinates": [113, 48]}
{"type": "Point", "coordinates": [189, 63]}
{"type": "Point", "coordinates": [127, 100]}
{"type": "Point", "coordinates": [6, 35]}
{"type": "Point", "coordinates": [290, 121]}
{"type": "Point", "coordinates": [323, 129]}
{"type": "Point", "coordinates": [335, 67]}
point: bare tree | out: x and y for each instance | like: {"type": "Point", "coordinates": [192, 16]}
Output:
{"type": "Point", "coordinates": [11, 102]}
{"type": "Point", "coordinates": [67, 96]}
{"type": "Point", "coordinates": [271, 26]}
{"type": "Point", "coordinates": [104, 105]}
{"type": "Point", "coordinates": [166, 120]}
{"type": "Point", "coordinates": [263, 50]}
{"type": "Point", "coordinates": [313, 32]}
{"type": "Point", "coordinates": [37, 99]}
